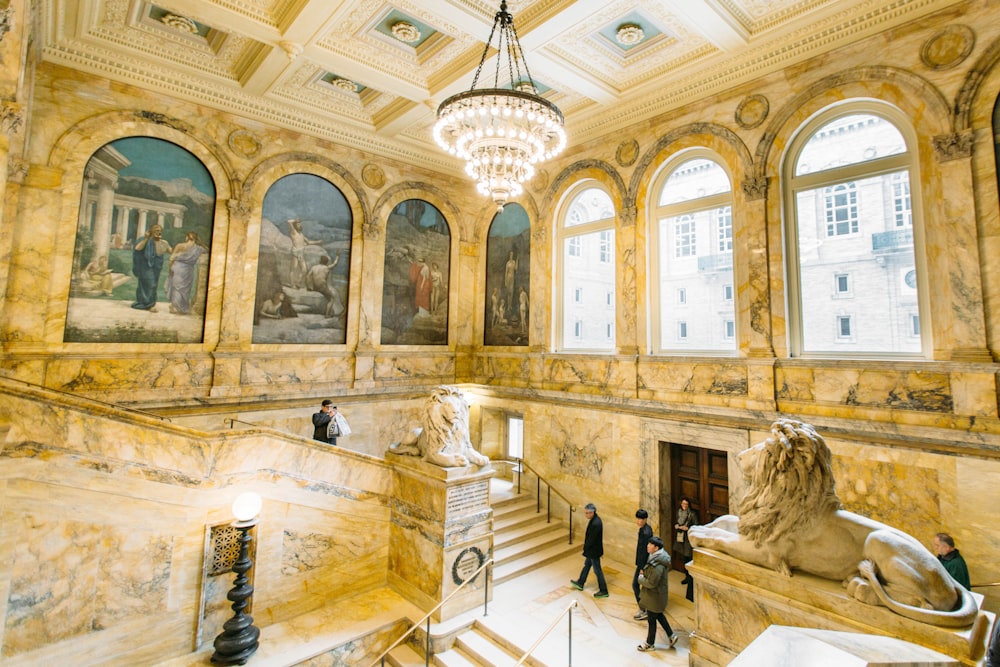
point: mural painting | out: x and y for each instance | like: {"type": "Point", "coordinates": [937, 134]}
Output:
{"type": "Point", "coordinates": [305, 263]}
{"type": "Point", "coordinates": [508, 278]}
{"type": "Point", "coordinates": [140, 263]}
{"type": "Point", "coordinates": [415, 287]}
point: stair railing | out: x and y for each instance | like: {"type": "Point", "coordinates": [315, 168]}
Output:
{"type": "Point", "coordinates": [568, 613]}
{"type": "Point", "coordinates": [521, 465]}
{"type": "Point", "coordinates": [427, 618]}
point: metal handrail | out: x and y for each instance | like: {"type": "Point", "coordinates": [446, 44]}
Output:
{"type": "Point", "coordinates": [427, 617]}
{"type": "Point", "coordinates": [232, 422]}
{"type": "Point", "coordinates": [548, 498]}
{"type": "Point", "coordinates": [116, 406]}
{"type": "Point", "coordinates": [568, 610]}
{"type": "Point", "coordinates": [995, 583]}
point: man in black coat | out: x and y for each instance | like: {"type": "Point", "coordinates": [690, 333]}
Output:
{"type": "Point", "coordinates": [321, 421]}
{"type": "Point", "coordinates": [593, 549]}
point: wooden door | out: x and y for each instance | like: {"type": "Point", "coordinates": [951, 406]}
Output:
{"type": "Point", "coordinates": [702, 475]}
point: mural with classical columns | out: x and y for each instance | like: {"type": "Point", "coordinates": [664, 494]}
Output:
{"type": "Point", "coordinates": [140, 263]}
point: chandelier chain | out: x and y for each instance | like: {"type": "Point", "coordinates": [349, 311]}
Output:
{"type": "Point", "coordinates": [501, 133]}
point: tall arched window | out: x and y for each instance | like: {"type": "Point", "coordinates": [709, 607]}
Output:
{"type": "Point", "coordinates": [585, 275]}
{"type": "Point", "coordinates": [693, 287]}
{"type": "Point", "coordinates": [853, 275]}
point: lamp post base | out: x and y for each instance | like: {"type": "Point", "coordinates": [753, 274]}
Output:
{"type": "Point", "coordinates": [239, 638]}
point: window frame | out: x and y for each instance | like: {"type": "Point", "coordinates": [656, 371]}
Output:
{"type": "Point", "coordinates": [793, 184]}
{"type": "Point", "coordinates": [663, 339]}
{"type": "Point", "coordinates": [564, 234]}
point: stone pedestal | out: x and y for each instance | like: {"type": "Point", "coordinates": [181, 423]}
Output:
{"type": "Point", "coordinates": [735, 602]}
{"type": "Point", "coordinates": [442, 531]}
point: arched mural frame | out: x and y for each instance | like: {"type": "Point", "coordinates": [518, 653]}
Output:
{"type": "Point", "coordinates": [403, 318]}
{"type": "Point", "coordinates": [70, 155]}
{"type": "Point", "coordinates": [507, 278]}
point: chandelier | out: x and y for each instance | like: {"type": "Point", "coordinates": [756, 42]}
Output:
{"type": "Point", "coordinates": [501, 133]}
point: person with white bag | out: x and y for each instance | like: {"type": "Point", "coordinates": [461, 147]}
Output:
{"type": "Point", "coordinates": [338, 426]}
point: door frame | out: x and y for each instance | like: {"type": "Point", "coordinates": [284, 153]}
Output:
{"type": "Point", "coordinates": [654, 482]}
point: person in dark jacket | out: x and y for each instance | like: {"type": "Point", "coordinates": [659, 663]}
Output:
{"type": "Point", "coordinates": [655, 587]}
{"type": "Point", "coordinates": [641, 555]}
{"type": "Point", "coordinates": [321, 421]}
{"type": "Point", "coordinates": [593, 549]}
{"type": "Point", "coordinates": [993, 651]}
{"type": "Point", "coordinates": [951, 559]}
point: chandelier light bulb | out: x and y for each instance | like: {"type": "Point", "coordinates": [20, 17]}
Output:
{"type": "Point", "coordinates": [499, 154]}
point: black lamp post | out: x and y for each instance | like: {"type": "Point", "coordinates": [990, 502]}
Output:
{"type": "Point", "coordinates": [240, 637]}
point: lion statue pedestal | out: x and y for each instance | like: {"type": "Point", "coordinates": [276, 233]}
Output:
{"type": "Point", "coordinates": [792, 541]}
{"type": "Point", "coordinates": [441, 528]}
{"type": "Point", "coordinates": [736, 601]}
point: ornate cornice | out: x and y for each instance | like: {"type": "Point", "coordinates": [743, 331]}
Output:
{"type": "Point", "coordinates": [754, 187]}
{"type": "Point", "coordinates": [954, 146]}
{"type": "Point", "coordinates": [17, 169]}
{"type": "Point", "coordinates": [240, 208]}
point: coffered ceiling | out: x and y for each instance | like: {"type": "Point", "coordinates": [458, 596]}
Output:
{"type": "Point", "coordinates": [370, 73]}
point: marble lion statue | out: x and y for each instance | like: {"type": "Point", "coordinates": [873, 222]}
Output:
{"type": "Point", "coordinates": [444, 438]}
{"type": "Point", "coordinates": [791, 519]}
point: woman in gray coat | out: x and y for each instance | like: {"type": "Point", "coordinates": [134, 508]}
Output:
{"type": "Point", "coordinates": [653, 594]}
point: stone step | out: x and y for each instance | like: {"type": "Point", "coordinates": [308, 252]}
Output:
{"type": "Point", "coordinates": [523, 533]}
{"type": "Point", "coordinates": [454, 657]}
{"type": "Point", "coordinates": [514, 507]}
{"type": "Point", "coordinates": [483, 649]}
{"type": "Point", "coordinates": [522, 564]}
{"type": "Point", "coordinates": [538, 542]}
{"type": "Point", "coordinates": [404, 656]}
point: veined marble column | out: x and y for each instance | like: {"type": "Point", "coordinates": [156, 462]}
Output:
{"type": "Point", "coordinates": [953, 255]}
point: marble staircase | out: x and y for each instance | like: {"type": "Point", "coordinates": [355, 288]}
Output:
{"type": "Point", "coordinates": [523, 540]}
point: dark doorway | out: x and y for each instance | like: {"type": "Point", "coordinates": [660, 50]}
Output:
{"type": "Point", "coordinates": [701, 475]}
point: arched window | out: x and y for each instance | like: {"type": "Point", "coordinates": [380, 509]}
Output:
{"type": "Point", "coordinates": [585, 276]}
{"type": "Point", "coordinates": [693, 264]}
{"type": "Point", "coordinates": [853, 287]}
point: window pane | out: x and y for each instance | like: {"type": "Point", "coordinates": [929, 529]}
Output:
{"type": "Point", "coordinates": [587, 320]}
{"type": "Point", "coordinates": [866, 249]}
{"type": "Point", "coordinates": [515, 437]}
{"type": "Point", "coordinates": [694, 179]}
{"type": "Point", "coordinates": [901, 199]}
{"type": "Point", "coordinates": [724, 223]}
{"type": "Point", "coordinates": [589, 206]}
{"type": "Point", "coordinates": [692, 268]}
{"type": "Point", "coordinates": [850, 140]}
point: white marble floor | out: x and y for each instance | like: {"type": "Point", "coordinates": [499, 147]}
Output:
{"type": "Point", "coordinates": [604, 633]}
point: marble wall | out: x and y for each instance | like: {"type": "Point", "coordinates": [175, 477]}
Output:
{"type": "Point", "coordinates": [916, 441]}
{"type": "Point", "coordinates": [104, 519]}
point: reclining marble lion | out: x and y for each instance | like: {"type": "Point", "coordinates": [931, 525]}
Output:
{"type": "Point", "coordinates": [444, 438]}
{"type": "Point", "coordinates": [791, 519]}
